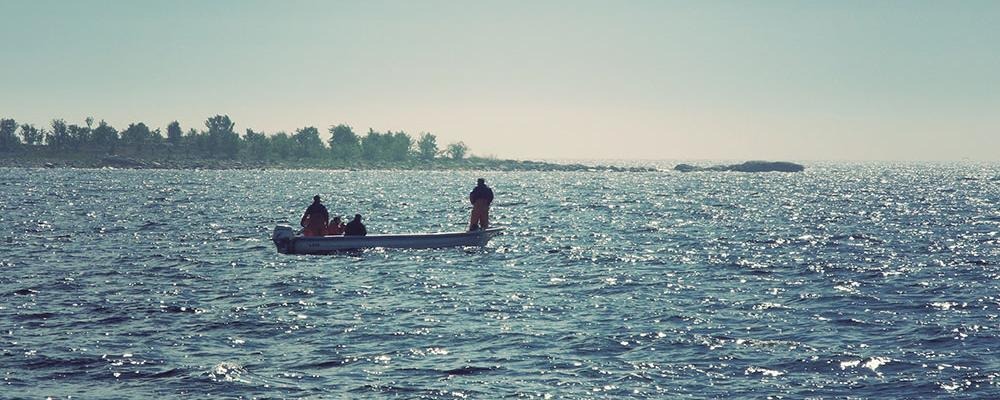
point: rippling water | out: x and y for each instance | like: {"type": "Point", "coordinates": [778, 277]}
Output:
{"type": "Point", "coordinates": [865, 280]}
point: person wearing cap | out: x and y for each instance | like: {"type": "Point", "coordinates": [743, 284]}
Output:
{"type": "Point", "coordinates": [355, 227]}
{"type": "Point", "coordinates": [314, 219]}
{"type": "Point", "coordinates": [480, 197]}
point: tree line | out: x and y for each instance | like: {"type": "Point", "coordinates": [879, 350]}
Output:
{"type": "Point", "coordinates": [220, 141]}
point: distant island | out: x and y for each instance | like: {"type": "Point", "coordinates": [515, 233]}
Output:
{"type": "Point", "coordinates": [219, 146]}
{"type": "Point", "coordinates": [749, 166]}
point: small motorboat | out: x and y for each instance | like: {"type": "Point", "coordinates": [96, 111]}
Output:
{"type": "Point", "coordinates": [288, 242]}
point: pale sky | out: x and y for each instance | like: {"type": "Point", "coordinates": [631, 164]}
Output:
{"type": "Point", "coordinates": [795, 80]}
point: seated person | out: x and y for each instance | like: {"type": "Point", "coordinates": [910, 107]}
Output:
{"type": "Point", "coordinates": [335, 227]}
{"type": "Point", "coordinates": [355, 227]}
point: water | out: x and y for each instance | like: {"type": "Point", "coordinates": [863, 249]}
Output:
{"type": "Point", "coordinates": [862, 281]}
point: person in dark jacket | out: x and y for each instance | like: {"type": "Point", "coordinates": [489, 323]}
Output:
{"type": "Point", "coordinates": [314, 219]}
{"type": "Point", "coordinates": [480, 197]}
{"type": "Point", "coordinates": [355, 227]}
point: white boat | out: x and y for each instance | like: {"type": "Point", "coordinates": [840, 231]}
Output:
{"type": "Point", "coordinates": [288, 242]}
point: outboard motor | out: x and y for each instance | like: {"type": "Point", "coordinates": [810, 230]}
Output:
{"type": "Point", "coordinates": [282, 238]}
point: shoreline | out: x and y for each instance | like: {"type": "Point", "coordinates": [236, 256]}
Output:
{"type": "Point", "coordinates": [84, 160]}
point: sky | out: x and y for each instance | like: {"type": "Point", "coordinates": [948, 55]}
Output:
{"type": "Point", "coordinates": [649, 80]}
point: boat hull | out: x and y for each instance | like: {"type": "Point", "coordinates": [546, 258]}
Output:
{"type": "Point", "coordinates": [289, 243]}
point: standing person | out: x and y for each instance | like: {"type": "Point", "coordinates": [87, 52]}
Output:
{"type": "Point", "coordinates": [355, 227]}
{"type": "Point", "coordinates": [480, 197]}
{"type": "Point", "coordinates": [314, 219]}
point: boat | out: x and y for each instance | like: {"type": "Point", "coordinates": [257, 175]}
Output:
{"type": "Point", "coordinates": [288, 242]}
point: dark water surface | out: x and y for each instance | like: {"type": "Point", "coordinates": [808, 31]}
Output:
{"type": "Point", "coordinates": [862, 281]}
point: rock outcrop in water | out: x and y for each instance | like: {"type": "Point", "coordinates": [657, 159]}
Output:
{"type": "Point", "coordinates": [749, 166]}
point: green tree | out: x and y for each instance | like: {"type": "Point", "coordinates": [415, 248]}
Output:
{"type": "Point", "coordinates": [282, 146]}
{"type": "Point", "coordinates": [375, 145]}
{"type": "Point", "coordinates": [139, 137]}
{"type": "Point", "coordinates": [105, 136]}
{"type": "Point", "coordinates": [195, 143]}
{"type": "Point", "coordinates": [78, 135]}
{"type": "Point", "coordinates": [8, 135]}
{"type": "Point", "coordinates": [400, 146]}
{"type": "Point", "coordinates": [457, 150]}
{"type": "Point", "coordinates": [222, 140]}
{"type": "Point", "coordinates": [32, 136]}
{"type": "Point", "coordinates": [344, 143]}
{"type": "Point", "coordinates": [256, 145]}
{"type": "Point", "coordinates": [308, 144]}
{"type": "Point", "coordinates": [174, 134]}
{"type": "Point", "coordinates": [427, 147]}
{"type": "Point", "coordinates": [59, 136]}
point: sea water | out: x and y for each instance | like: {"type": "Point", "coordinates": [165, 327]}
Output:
{"type": "Point", "coordinates": [847, 280]}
